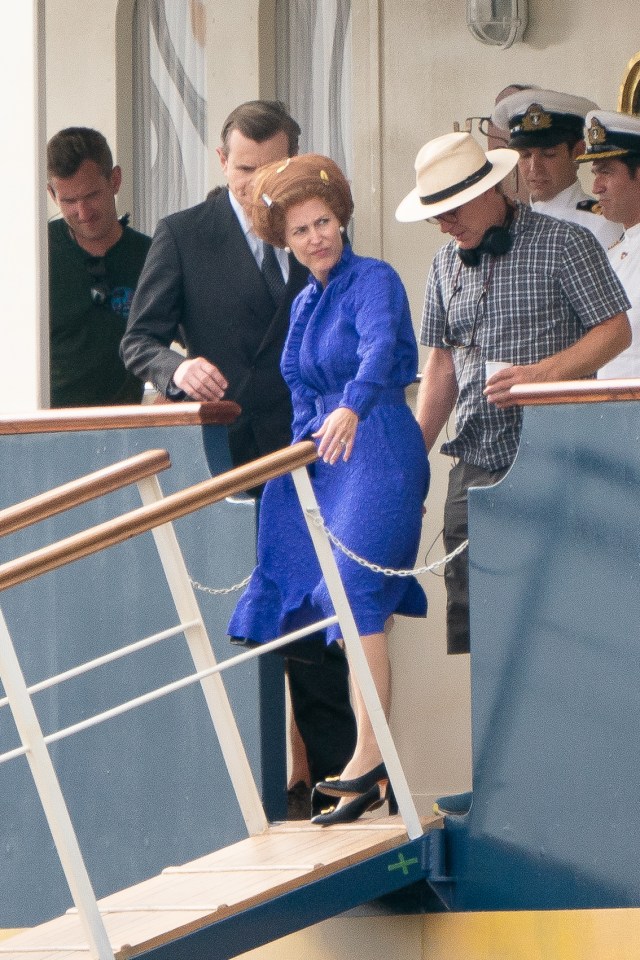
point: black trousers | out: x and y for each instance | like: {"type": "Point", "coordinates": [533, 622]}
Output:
{"type": "Point", "coordinates": [456, 531]}
{"type": "Point", "coordinates": [322, 710]}
{"type": "Point", "coordinates": [321, 706]}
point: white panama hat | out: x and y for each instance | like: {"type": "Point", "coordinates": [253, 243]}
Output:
{"type": "Point", "coordinates": [450, 171]}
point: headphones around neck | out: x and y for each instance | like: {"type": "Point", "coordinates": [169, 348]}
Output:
{"type": "Point", "coordinates": [496, 242]}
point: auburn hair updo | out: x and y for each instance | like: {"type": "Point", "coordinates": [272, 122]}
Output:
{"type": "Point", "coordinates": [284, 184]}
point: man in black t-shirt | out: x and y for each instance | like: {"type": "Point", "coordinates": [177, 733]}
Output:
{"type": "Point", "coordinates": [95, 260]}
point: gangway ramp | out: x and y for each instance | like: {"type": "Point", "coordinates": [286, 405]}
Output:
{"type": "Point", "coordinates": [283, 877]}
{"type": "Point", "coordinates": [244, 895]}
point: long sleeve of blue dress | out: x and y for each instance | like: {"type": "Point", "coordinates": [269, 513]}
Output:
{"type": "Point", "coordinates": [350, 344]}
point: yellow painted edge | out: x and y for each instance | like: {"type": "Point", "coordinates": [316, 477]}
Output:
{"type": "Point", "coordinates": [522, 935]}
{"type": "Point", "coordinates": [5, 934]}
{"type": "Point", "coordinates": [533, 935]}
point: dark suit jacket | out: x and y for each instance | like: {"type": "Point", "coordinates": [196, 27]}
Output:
{"type": "Point", "coordinates": [201, 285]}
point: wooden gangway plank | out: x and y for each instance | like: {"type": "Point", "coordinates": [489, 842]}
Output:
{"type": "Point", "coordinates": [168, 912]}
{"type": "Point", "coordinates": [186, 898]}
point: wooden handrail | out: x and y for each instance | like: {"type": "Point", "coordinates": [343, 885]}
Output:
{"type": "Point", "coordinates": [220, 412]}
{"type": "Point", "coordinates": [82, 490]}
{"type": "Point", "coordinates": [576, 391]}
{"type": "Point", "coordinates": [145, 518]}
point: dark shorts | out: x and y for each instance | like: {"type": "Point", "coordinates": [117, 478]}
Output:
{"type": "Point", "coordinates": [456, 574]}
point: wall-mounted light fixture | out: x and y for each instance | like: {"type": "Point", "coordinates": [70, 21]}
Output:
{"type": "Point", "coordinates": [497, 22]}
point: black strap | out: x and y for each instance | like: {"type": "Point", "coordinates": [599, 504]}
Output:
{"type": "Point", "coordinates": [459, 186]}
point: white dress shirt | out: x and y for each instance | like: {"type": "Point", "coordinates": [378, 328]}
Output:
{"type": "Point", "coordinates": [625, 260]}
{"type": "Point", "coordinates": [256, 245]}
{"type": "Point", "coordinates": [564, 206]}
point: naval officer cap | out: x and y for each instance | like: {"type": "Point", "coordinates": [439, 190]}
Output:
{"type": "Point", "coordinates": [542, 118]}
{"type": "Point", "coordinates": [610, 134]}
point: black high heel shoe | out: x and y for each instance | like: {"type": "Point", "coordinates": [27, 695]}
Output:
{"type": "Point", "coordinates": [335, 787]}
{"type": "Point", "coordinates": [362, 803]}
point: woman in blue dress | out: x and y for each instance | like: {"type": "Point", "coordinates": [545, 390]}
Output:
{"type": "Point", "coordinates": [349, 355]}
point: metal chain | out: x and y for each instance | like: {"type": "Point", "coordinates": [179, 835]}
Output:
{"type": "Point", "coordinates": [221, 590]}
{"type": "Point", "coordinates": [316, 518]}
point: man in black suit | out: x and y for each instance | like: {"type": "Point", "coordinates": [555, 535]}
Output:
{"type": "Point", "coordinates": [209, 282]}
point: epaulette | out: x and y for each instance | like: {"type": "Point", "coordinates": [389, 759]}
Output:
{"type": "Point", "coordinates": [589, 206]}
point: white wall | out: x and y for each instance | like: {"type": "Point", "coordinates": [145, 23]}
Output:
{"type": "Point", "coordinates": [23, 254]}
{"type": "Point", "coordinates": [81, 66]}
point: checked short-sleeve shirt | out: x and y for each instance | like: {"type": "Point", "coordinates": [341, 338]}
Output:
{"type": "Point", "coordinates": [540, 298]}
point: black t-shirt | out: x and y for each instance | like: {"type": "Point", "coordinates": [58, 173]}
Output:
{"type": "Point", "coordinates": [85, 364]}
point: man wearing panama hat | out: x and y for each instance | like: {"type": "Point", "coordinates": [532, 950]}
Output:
{"type": "Point", "coordinates": [546, 128]}
{"type": "Point", "coordinates": [613, 146]}
{"type": "Point", "coordinates": [512, 286]}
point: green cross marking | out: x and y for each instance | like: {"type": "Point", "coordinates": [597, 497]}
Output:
{"type": "Point", "coordinates": [403, 864]}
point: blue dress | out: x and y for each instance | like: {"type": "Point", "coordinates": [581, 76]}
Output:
{"type": "Point", "coordinates": [350, 344]}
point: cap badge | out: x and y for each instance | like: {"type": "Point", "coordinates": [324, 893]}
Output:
{"type": "Point", "coordinates": [536, 118]}
{"type": "Point", "coordinates": [596, 133]}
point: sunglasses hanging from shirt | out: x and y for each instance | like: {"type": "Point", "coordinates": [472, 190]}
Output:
{"type": "Point", "coordinates": [116, 299]}
{"type": "Point", "coordinates": [497, 241]}
{"type": "Point", "coordinates": [100, 290]}
{"type": "Point", "coordinates": [448, 339]}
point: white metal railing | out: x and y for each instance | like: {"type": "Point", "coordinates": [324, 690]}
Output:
{"type": "Point", "coordinates": [156, 515]}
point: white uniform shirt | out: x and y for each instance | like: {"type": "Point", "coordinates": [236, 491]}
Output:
{"type": "Point", "coordinates": [625, 260]}
{"type": "Point", "coordinates": [564, 206]}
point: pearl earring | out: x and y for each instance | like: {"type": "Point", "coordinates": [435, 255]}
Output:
{"type": "Point", "coordinates": [287, 249]}
{"type": "Point", "coordinates": [341, 229]}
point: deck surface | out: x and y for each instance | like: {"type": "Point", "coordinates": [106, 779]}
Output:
{"type": "Point", "coordinates": [183, 899]}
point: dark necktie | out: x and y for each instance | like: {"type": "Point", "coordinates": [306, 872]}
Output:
{"type": "Point", "coordinates": [272, 273]}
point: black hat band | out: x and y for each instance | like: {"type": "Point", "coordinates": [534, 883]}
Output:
{"type": "Point", "coordinates": [458, 187]}
{"type": "Point", "coordinates": [550, 121]}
